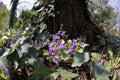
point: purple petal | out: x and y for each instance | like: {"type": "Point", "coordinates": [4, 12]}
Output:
{"type": "Point", "coordinates": [51, 44]}
{"type": "Point", "coordinates": [56, 58]}
{"type": "Point", "coordinates": [54, 38]}
{"type": "Point", "coordinates": [5, 69]}
{"type": "Point", "coordinates": [51, 51]}
{"type": "Point", "coordinates": [42, 43]}
{"type": "Point", "coordinates": [61, 33]}
{"type": "Point", "coordinates": [70, 51]}
{"type": "Point", "coordinates": [101, 62]}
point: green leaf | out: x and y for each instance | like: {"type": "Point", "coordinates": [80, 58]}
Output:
{"type": "Point", "coordinates": [64, 56]}
{"type": "Point", "coordinates": [66, 74]}
{"type": "Point", "coordinates": [84, 45]}
{"type": "Point", "coordinates": [2, 74]}
{"type": "Point", "coordinates": [95, 56]}
{"type": "Point", "coordinates": [80, 50]}
{"type": "Point", "coordinates": [41, 71]}
{"type": "Point", "coordinates": [53, 76]}
{"type": "Point", "coordinates": [100, 72]}
{"type": "Point", "coordinates": [13, 56]}
{"type": "Point", "coordinates": [110, 52]}
{"type": "Point", "coordinates": [69, 42]}
{"type": "Point", "coordinates": [79, 59]}
{"type": "Point", "coordinates": [25, 47]}
{"type": "Point", "coordinates": [14, 46]}
{"type": "Point", "coordinates": [103, 78]}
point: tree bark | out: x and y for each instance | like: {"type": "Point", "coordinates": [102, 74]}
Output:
{"type": "Point", "coordinates": [73, 17]}
{"type": "Point", "coordinates": [13, 12]}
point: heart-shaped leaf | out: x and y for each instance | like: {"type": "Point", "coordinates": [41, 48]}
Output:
{"type": "Point", "coordinates": [41, 71]}
{"type": "Point", "coordinates": [79, 59]}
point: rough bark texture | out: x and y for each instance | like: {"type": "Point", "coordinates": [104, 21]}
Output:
{"type": "Point", "coordinates": [73, 17]}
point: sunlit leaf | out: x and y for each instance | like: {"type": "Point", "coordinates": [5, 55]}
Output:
{"type": "Point", "coordinates": [53, 76]}
{"type": "Point", "coordinates": [79, 59]}
{"type": "Point", "coordinates": [66, 74]}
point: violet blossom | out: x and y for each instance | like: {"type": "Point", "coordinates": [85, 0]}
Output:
{"type": "Point", "coordinates": [82, 42]}
{"type": "Point", "coordinates": [61, 33]}
{"type": "Point", "coordinates": [101, 63]}
{"type": "Point", "coordinates": [70, 50]}
{"type": "Point", "coordinates": [5, 70]}
{"type": "Point", "coordinates": [60, 47]}
{"type": "Point", "coordinates": [56, 58]}
{"type": "Point", "coordinates": [74, 44]}
{"type": "Point", "coordinates": [60, 44]}
{"type": "Point", "coordinates": [51, 50]}
{"type": "Point", "coordinates": [54, 38]}
{"type": "Point", "coordinates": [42, 43]}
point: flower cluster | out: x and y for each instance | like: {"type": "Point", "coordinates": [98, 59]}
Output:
{"type": "Point", "coordinates": [59, 49]}
{"type": "Point", "coordinates": [13, 37]}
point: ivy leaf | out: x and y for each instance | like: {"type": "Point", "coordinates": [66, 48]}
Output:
{"type": "Point", "coordinates": [14, 46]}
{"type": "Point", "coordinates": [79, 59]}
{"type": "Point", "coordinates": [66, 74]}
{"type": "Point", "coordinates": [13, 56]}
{"type": "Point", "coordinates": [100, 72]}
{"type": "Point", "coordinates": [53, 76]}
{"type": "Point", "coordinates": [41, 71]}
{"type": "Point", "coordinates": [25, 47]}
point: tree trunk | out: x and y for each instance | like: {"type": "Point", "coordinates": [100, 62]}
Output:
{"type": "Point", "coordinates": [74, 17]}
{"type": "Point", "coordinates": [13, 12]}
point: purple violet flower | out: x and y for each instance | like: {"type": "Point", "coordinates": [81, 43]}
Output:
{"type": "Point", "coordinates": [42, 43]}
{"type": "Point", "coordinates": [51, 51]}
{"type": "Point", "coordinates": [101, 63]}
{"type": "Point", "coordinates": [61, 33]}
{"type": "Point", "coordinates": [51, 44]}
{"type": "Point", "coordinates": [21, 31]}
{"type": "Point", "coordinates": [5, 70]}
{"type": "Point", "coordinates": [32, 42]}
{"type": "Point", "coordinates": [56, 58]}
{"type": "Point", "coordinates": [60, 47]}
{"type": "Point", "coordinates": [54, 38]}
{"type": "Point", "coordinates": [58, 42]}
{"type": "Point", "coordinates": [82, 42]}
{"type": "Point", "coordinates": [74, 44]}
{"type": "Point", "coordinates": [70, 51]}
